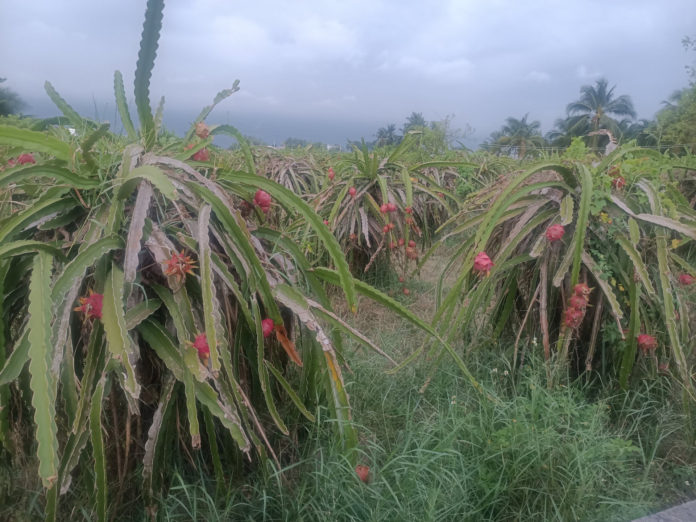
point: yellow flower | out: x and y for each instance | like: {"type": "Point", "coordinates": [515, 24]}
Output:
{"type": "Point", "coordinates": [604, 218]}
{"type": "Point", "coordinates": [676, 243]}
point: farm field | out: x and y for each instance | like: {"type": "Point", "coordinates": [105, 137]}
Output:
{"type": "Point", "coordinates": [577, 452]}
{"type": "Point", "coordinates": [404, 330]}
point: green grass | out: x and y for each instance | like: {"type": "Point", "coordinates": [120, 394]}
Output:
{"type": "Point", "coordinates": [577, 452]}
{"type": "Point", "coordinates": [449, 454]}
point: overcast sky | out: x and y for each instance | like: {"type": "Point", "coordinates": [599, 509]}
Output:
{"type": "Point", "coordinates": [332, 70]}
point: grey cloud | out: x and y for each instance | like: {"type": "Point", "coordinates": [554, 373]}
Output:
{"type": "Point", "coordinates": [356, 64]}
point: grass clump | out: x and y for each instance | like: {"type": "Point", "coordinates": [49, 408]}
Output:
{"type": "Point", "coordinates": [450, 454]}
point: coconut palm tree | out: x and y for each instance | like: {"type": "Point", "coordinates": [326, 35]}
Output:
{"type": "Point", "coordinates": [640, 130]}
{"type": "Point", "coordinates": [596, 106]}
{"type": "Point", "coordinates": [491, 143]}
{"type": "Point", "coordinates": [413, 122]}
{"type": "Point", "coordinates": [563, 133]}
{"type": "Point", "coordinates": [518, 137]}
{"type": "Point", "coordinates": [387, 136]}
{"type": "Point", "coordinates": [674, 99]}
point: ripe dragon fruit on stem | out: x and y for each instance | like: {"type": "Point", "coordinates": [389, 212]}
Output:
{"type": "Point", "coordinates": [647, 343]}
{"type": "Point", "coordinates": [25, 158]}
{"type": "Point", "coordinates": [200, 343]}
{"type": "Point", "coordinates": [263, 200]}
{"type": "Point", "coordinates": [91, 305]}
{"type": "Point", "coordinates": [179, 265]}
{"type": "Point", "coordinates": [267, 326]}
{"type": "Point", "coordinates": [572, 317]}
{"type": "Point", "coordinates": [686, 279]}
{"type": "Point", "coordinates": [577, 301]}
{"type": "Point", "coordinates": [202, 155]}
{"type": "Point", "coordinates": [555, 232]}
{"type": "Point", "coordinates": [618, 182]}
{"type": "Point", "coordinates": [582, 289]}
{"type": "Point", "coordinates": [483, 264]}
{"type": "Point", "coordinates": [363, 473]}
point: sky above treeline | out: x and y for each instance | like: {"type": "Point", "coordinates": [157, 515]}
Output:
{"type": "Point", "coordinates": [335, 70]}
